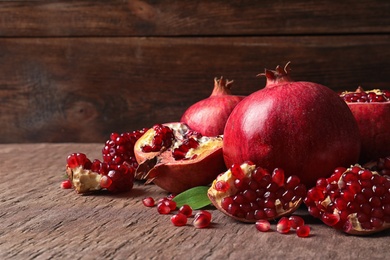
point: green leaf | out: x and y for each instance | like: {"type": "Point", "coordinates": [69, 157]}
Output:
{"type": "Point", "coordinates": [195, 197]}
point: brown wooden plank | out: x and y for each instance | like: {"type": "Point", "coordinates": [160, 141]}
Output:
{"type": "Point", "coordinates": [82, 89]}
{"type": "Point", "coordinates": [168, 18]}
{"type": "Point", "coordinates": [39, 220]}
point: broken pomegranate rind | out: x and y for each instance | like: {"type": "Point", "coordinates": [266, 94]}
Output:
{"type": "Point", "coordinates": [84, 180]}
{"type": "Point", "coordinates": [355, 201]}
{"type": "Point", "coordinates": [225, 186]}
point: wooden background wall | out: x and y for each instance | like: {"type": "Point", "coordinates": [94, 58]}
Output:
{"type": "Point", "coordinates": [75, 71]}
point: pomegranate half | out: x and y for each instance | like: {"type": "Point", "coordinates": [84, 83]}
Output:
{"type": "Point", "coordinates": [175, 158]}
{"type": "Point", "coordinates": [372, 112]}
{"type": "Point", "coordinates": [302, 127]}
{"type": "Point", "coordinates": [209, 115]}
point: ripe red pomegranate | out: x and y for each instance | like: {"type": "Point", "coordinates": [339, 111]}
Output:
{"type": "Point", "coordinates": [176, 158]}
{"type": "Point", "coordinates": [354, 200]}
{"type": "Point", "coordinates": [209, 115]}
{"type": "Point", "coordinates": [372, 112]}
{"type": "Point", "coordinates": [249, 193]}
{"type": "Point", "coordinates": [88, 177]}
{"type": "Point", "coordinates": [302, 127]}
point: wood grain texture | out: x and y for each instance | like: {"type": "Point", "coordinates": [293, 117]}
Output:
{"type": "Point", "coordinates": [172, 17]}
{"type": "Point", "coordinates": [39, 220]}
{"type": "Point", "coordinates": [82, 89]}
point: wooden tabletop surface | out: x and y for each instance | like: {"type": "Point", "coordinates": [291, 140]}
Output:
{"type": "Point", "coordinates": [39, 220]}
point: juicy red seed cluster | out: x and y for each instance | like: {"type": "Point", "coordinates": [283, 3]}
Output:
{"type": "Point", "coordinates": [163, 138]}
{"type": "Point", "coordinates": [120, 148]}
{"type": "Point", "coordinates": [359, 192]}
{"type": "Point", "coordinates": [257, 195]}
{"type": "Point", "coordinates": [366, 97]}
{"type": "Point", "coordinates": [180, 152]}
{"type": "Point", "coordinates": [116, 177]}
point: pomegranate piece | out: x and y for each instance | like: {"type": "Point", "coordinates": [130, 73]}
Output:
{"type": "Point", "coordinates": [202, 219]}
{"type": "Point", "coordinates": [303, 231]}
{"type": "Point", "coordinates": [371, 109]}
{"type": "Point", "coordinates": [148, 202]}
{"type": "Point", "coordinates": [209, 115]}
{"type": "Point", "coordinates": [381, 165]}
{"type": "Point", "coordinates": [283, 226]}
{"type": "Point", "coordinates": [87, 176]}
{"type": "Point", "coordinates": [186, 210]}
{"type": "Point", "coordinates": [255, 195]}
{"type": "Point", "coordinates": [302, 127]}
{"type": "Point", "coordinates": [356, 201]}
{"type": "Point", "coordinates": [185, 159]}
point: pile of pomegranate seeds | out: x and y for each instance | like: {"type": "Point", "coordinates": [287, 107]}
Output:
{"type": "Point", "coordinates": [361, 96]}
{"type": "Point", "coordinates": [166, 205]}
{"type": "Point", "coordinates": [354, 200]}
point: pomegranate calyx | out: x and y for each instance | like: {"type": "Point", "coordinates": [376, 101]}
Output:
{"type": "Point", "coordinates": [222, 86]}
{"type": "Point", "coordinates": [277, 76]}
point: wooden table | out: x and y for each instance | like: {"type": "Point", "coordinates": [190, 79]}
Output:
{"type": "Point", "coordinates": [39, 220]}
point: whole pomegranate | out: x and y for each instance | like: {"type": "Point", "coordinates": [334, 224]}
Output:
{"type": "Point", "coordinates": [209, 115]}
{"type": "Point", "coordinates": [301, 127]}
{"type": "Point", "coordinates": [372, 112]}
{"type": "Point", "coordinates": [176, 158]}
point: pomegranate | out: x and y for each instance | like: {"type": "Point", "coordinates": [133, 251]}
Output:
{"type": "Point", "coordinates": [372, 112]}
{"type": "Point", "coordinates": [87, 176]}
{"type": "Point", "coordinates": [209, 115]}
{"type": "Point", "coordinates": [354, 200]}
{"type": "Point", "coordinates": [249, 193]}
{"type": "Point", "coordinates": [301, 127]}
{"type": "Point", "coordinates": [176, 158]}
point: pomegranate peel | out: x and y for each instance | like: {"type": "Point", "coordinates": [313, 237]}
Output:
{"type": "Point", "coordinates": [254, 195]}
{"type": "Point", "coordinates": [354, 200]}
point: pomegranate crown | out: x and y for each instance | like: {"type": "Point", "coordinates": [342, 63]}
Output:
{"type": "Point", "coordinates": [222, 86]}
{"type": "Point", "coordinates": [278, 75]}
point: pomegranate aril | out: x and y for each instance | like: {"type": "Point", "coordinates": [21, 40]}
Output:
{"type": "Point", "coordinates": [222, 186]}
{"type": "Point", "coordinates": [237, 171]}
{"type": "Point", "coordinates": [296, 221]}
{"type": "Point", "coordinates": [263, 225]}
{"type": "Point", "coordinates": [283, 226]}
{"type": "Point", "coordinates": [179, 220]}
{"type": "Point", "coordinates": [202, 219]}
{"type": "Point", "coordinates": [278, 177]}
{"type": "Point", "coordinates": [162, 208]}
{"type": "Point", "coordinates": [303, 231]}
{"type": "Point", "coordinates": [66, 184]}
{"type": "Point", "coordinates": [148, 202]}
{"type": "Point", "coordinates": [186, 210]}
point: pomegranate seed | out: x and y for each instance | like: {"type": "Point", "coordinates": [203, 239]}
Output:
{"type": "Point", "coordinates": [221, 186]}
{"type": "Point", "coordinates": [179, 219]}
{"type": "Point", "coordinates": [66, 184]}
{"type": "Point", "coordinates": [202, 219]}
{"type": "Point", "coordinates": [171, 204]}
{"type": "Point", "coordinates": [278, 176]}
{"type": "Point", "coordinates": [296, 221]}
{"type": "Point", "coordinates": [148, 202]}
{"type": "Point", "coordinates": [162, 208]}
{"type": "Point", "coordinates": [263, 225]}
{"type": "Point", "coordinates": [303, 231]}
{"type": "Point", "coordinates": [283, 226]}
{"type": "Point", "coordinates": [237, 171]}
{"type": "Point", "coordinates": [186, 210]}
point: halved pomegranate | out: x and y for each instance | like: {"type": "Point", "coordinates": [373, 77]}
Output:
{"type": "Point", "coordinates": [371, 109]}
{"type": "Point", "coordinates": [249, 193]}
{"type": "Point", "coordinates": [176, 158]}
{"type": "Point", "coordinates": [354, 200]}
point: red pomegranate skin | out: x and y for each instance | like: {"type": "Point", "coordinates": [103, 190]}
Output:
{"type": "Point", "coordinates": [302, 127]}
{"type": "Point", "coordinates": [374, 124]}
{"type": "Point", "coordinates": [208, 116]}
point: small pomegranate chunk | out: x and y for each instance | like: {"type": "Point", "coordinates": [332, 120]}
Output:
{"type": "Point", "coordinates": [356, 201]}
{"type": "Point", "coordinates": [249, 193]}
{"type": "Point", "coordinates": [179, 219]}
{"type": "Point", "coordinates": [202, 219]}
{"type": "Point", "coordinates": [263, 225]}
{"type": "Point", "coordinates": [148, 202]}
